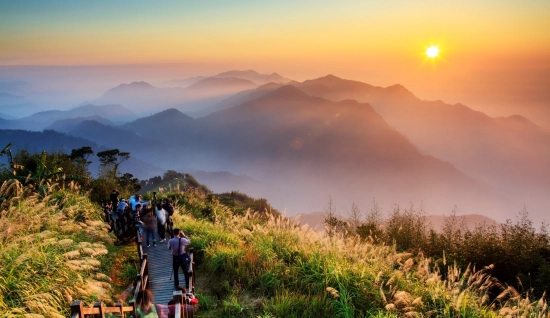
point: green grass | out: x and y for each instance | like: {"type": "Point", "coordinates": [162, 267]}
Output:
{"type": "Point", "coordinates": [266, 266]}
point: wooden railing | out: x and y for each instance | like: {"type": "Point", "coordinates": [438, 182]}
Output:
{"type": "Point", "coordinates": [99, 310]}
{"type": "Point", "coordinates": [124, 226]}
{"type": "Point", "coordinates": [142, 282]}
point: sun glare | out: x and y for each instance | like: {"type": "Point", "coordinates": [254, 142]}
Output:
{"type": "Point", "coordinates": [432, 51]}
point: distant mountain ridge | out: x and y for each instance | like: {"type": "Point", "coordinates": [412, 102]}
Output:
{"type": "Point", "coordinates": [144, 98]}
{"type": "Point", "coordinates": [329, 133]}
{"type": "Point", "coordinates": [249, 75]}
{"type": "Point", "coordinates": [66, 125]}
{"type": "Point", "coordinates": [115, 113]}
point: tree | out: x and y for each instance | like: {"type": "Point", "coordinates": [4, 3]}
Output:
{"type": "Point", "coordinates": [453, 230]}
{"type": "Point", "coordinates": [354, 218]}
{"type": "Point", "coordinates": [373, 225]}
{"type": "Point", "coordinates": [111, 159]}
{"type": "Point", "coordinates": [170, 175]}
{"type": "Point", "coordinates": [80, 156]}
{"type": "Point", "coordinates": [333, 225]}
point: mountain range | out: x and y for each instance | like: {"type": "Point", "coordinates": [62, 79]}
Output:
{"type": "Point", "coordinates": [61, 119]}
{"type": "Point", "coordinates": [304, 141]}
{"type": "Point", "coordinates": [251, 75]}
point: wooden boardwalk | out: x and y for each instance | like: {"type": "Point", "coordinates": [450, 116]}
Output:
{"type": "Point", "coordinates": [160, 270]}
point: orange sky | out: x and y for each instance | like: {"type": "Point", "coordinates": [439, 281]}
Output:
{"type": "Point", "coordinates": [481, 42]}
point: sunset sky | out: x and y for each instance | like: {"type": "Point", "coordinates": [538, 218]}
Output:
{"type": "Point", "coordinates": [486, 44]}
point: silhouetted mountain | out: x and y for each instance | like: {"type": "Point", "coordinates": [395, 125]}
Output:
{"type": "Point", "coordinates": [237, 99]}
{"type": "Point", "coordinates": [325, 146]}
{"type": "Point", "coordinates": [144, 98]}
{"type": "Point", "coordinates": [132, 88]}
{"type": "Point", "coordinates": [142, 145]}
{"type": "Point", "coordinates": [255, 77]}
{"type": "Point", "coordinates": [183, 83]}
{"type": "Point", "coordinates": [219, 86]}
{"type": "Point", "coordinates": [50, 140]}
{"type": "Point", "coordinates": [66, 125]}
{"type": "Point", "coordinates": [511, 154]}
{"type": "Point", "coordinates": [337, 89]}
{"type": "Point", "coordinates": [166, 125]}
{"type": "Point", "coordinates": [109, 136]}
{"type": "Point", "coordinates": [115, 113]}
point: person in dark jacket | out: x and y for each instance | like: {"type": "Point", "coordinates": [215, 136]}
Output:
{"type": "Point", "coordinates": [114, 198]}
{"type": "Point", "coordinates": [150, 221]}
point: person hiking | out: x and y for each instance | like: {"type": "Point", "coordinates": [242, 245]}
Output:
{"type": "Point", "coordinates": [161, 222]}
{"type": "Point", "coordinates": [150, 221]}
{"type": "Point", "coordinates": [137, 201]}
{"type": "Point", "coordinates": [145, 307]}
{"type": "Point", "coordinates": [121, 207]}
{"type": "Point", "coordinates": [177, 246]}
{"type": "Point", "coordinates": [113, 197]}
{"type": "Point", "coordinates": [167, 206]}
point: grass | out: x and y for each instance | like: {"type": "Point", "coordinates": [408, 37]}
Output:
{"type": "Point", "coordinates": [56, 248]}
{"type": "Point", "coordinates": [53, 250]}
{"type": "Point", "coordinates": [266, 266]}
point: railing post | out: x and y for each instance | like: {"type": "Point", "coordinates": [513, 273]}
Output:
{"type": "Point", "coordinates": [99, 304]}
{"type": "Point", "coordinates": [133, 304]}
{"type": "Point", "coordinates": [121, 306]}
{"type": "Point", "coordinates": [146, 269]}
{"type": "Point", "coordinates": [76, 309]}
{"type": "Point", "coordinates": [192, 271]}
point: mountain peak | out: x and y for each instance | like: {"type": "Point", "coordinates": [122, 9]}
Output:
{"type": "Point", "coordinates": [286, 92]}
{"type": "Point", "coordinates": [135, 85]}
{"type": "Point", "coordinates": [400, 90]}
{"type": "Point", "coordinates": [237, 73]}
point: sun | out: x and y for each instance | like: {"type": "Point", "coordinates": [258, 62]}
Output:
{"type": "Point", "coordinates": [432, 51]}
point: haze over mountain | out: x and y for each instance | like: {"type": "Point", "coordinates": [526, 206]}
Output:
{"type": "Point", "coordinates": [52, 141]}
{"type": "Point", "coordinates": [43, 119]}
{"type": "Point", "coordinates": [511, 154]}
{"type": "Point", "coordinates": [143, 98]}
{"type": "Point", "coordinates": [292, 139]}
{"type": "Point", "coordinates": [250, 75]}
{"type": "Point", "coordinates": [66, 125]}
{"type": "Point", "coordinates": [307, 140]}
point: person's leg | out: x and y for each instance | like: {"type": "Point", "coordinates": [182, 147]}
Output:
{"type": "Point", "coordinates": [162, 232]}
{"type": "Point", "coordinates": [175, 268]}
{"type": "Point", "coordinates": [186, 273]}
{"type": "Point", "coordinates": [185, 270]}
{"type": "Point", "coordinates": [149, 235]}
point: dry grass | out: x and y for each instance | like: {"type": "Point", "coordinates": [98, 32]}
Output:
{"type": "Point", "coordinates": [46, 259]}
{"type": "Point", "coordinates": [353, 277]}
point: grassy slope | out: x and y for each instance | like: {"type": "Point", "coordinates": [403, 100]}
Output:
{"type": "Point", "coordinates": [252, 265]}
{"type": "Point", "coordinates": [52, 250]}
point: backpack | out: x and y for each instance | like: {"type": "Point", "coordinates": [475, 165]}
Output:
{"type": "Point", "coordinates": [169, 208]}
{"type": "Point", "coordinates": [182, 259]}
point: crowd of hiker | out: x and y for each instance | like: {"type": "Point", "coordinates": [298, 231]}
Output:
{"type": "Point", "coordinates": [150, 219]}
